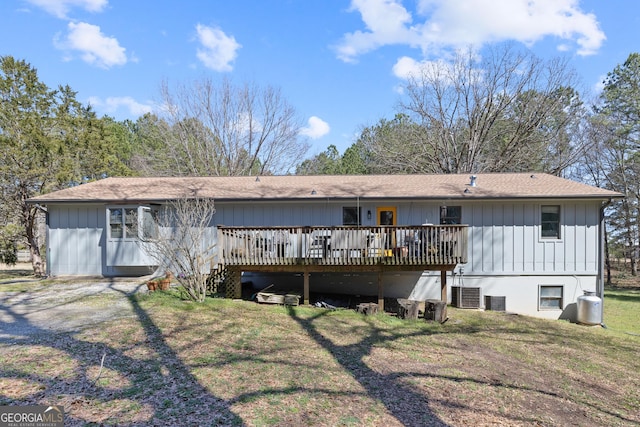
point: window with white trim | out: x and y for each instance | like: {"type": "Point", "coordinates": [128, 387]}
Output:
{"type": "Point", "coordinates": [550, 222]}
{"type": "Point", "coordinates": [149, 223]}
{"type": "Point", "coordinates": [551, 297]}
{"type": "Point", "coordinates": [123, 223]}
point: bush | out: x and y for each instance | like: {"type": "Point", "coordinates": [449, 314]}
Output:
{"type": "Point", "coordinates": [9, 236]}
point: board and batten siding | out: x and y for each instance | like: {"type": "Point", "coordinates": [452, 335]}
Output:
{"type": "Point", "coordinates": [505, 238]}
{"type": "Point", "coordinates": [79, 244]}
{"type": "Point", "coordinates": [319, 213]}
{"type": "Point", "coordinates": [75, 240]}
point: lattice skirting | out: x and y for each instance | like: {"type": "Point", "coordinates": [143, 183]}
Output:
{"type": "Point", "coordinates": [234, 283]}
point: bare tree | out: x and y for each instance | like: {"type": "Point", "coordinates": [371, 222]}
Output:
{"type": "Point", "coordinates": [182, 241]}
{"type": "Point", "coordinates": [223, 129]}
{"type": "Point", "coordinates": [506, 111]}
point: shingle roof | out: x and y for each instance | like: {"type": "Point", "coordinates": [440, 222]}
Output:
{"type": "Point", "coordinates": [489, 186]}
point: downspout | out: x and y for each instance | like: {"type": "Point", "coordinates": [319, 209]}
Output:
{"type": "Point", "coordinates": [600, 280]}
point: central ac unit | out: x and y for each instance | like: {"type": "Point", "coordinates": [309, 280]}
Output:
{"type": "Point", "coordinates": [465, 297]}
{"type": "Point", "coordinates": [495, 303]}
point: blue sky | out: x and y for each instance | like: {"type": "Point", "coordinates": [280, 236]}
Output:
{"type": "Point", "coordinates": [340, 63]}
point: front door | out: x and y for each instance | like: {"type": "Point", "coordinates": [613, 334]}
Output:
{"type": "Point", "coordinates": [386, 215]}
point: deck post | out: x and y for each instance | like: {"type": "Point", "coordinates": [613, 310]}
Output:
{"type": "Point", "coordinates": [306, 287]}
{"type": "Point", "coordinates": [380, 293]}
{"type": "Point", "coordinates": [443, 295]}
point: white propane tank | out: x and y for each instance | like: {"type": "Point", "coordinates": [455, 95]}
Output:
{"type": "Point", "coordinates": [589, 309]}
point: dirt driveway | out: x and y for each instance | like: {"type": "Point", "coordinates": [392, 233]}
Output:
{"type": "Point", "coordinates": [41, 307]}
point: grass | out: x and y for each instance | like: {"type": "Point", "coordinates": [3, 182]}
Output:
{"type": "Point", "coordinates": [227, 362]}
{"type": "Point", "coordinates": [621, 307]}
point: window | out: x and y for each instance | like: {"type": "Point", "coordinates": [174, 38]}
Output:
{"type": "Point", "coordinates": [550, 297]}
{"type": "Point", "coordinates": [550, 222]}
{"type": "Point", "coordinates": [450, 214]}
{"type": "Point", "coordinates": [149, 223]}
{"type": "Point", "coordinates": [351, 216]}
{"type": "Point", "coordinates": [123, 223]}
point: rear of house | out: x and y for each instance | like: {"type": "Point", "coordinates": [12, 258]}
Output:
{"type": "Point", "coordinates": [532, 242]}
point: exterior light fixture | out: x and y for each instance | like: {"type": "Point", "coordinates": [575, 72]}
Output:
{"type": "Point", "coordinates": [368, 214]}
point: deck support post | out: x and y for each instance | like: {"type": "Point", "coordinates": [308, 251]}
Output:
{"type": "Point", "coordinates": [443, 294]}
{"type": "Point", "coordinates": [306, 287]}
{"type": "Point", "coordinates": [380, 293]}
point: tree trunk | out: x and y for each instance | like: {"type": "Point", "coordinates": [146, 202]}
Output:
{"type": "Point", "coordinates": [29, 215]}
{"type": "Point", "coordinates": [607, 258]}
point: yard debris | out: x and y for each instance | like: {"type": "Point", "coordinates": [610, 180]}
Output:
{"type": "Point", "coordinates": [367, 308]}
{"type": "Point", "coordinates": [104, 354]}
{"type": "Point", "coordinates": [278, 298]}
{"type": "Point", "coordinates": [322, 304]}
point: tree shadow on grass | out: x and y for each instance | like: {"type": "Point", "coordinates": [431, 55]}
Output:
{"type": "Point", "coordinates": [405, 404]}
{"type": "Point", "coordinates": [157, 384]}
{"type": "Point", "coordinates": [411, 406]}
{"type": "Point", "coordinates": [623, 294]}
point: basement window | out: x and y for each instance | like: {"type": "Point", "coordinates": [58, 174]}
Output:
{"type": "Point", "coordinates": [550, 297]}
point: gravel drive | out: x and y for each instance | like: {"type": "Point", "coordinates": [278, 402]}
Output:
{"type": "Point", "coordinates": [64, 306]}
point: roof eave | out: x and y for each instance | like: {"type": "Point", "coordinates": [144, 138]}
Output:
{"type": "Point", "coordinates": [323, 198]}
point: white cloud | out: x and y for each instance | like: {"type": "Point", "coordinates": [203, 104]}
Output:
{"type": "Point", "coordinates": [445, 24]}
{"type": "Point", "coordinates": [112, 104]}
{"type": "Point", "coordinates": [218, 50]}
{"type": "Point", "coordinates": [317, 128]}
{"type": "Point", "coordinates": [60, 8]}
{"type": "Point", "coordinates": [386, 22]}
{"type": "Point", "coordinates": [406, 68]}
{"type": "Point", "coordinates": [95, 47]}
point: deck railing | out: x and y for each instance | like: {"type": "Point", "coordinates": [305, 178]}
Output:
{"type": "Point", "coordinates": [343, 245]}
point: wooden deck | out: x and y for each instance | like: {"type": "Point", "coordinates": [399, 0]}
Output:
{"type": "Point", "coordinates": [343, 247]}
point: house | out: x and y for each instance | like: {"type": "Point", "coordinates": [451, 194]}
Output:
{"type": "Point", "coordinates": [522, 242]}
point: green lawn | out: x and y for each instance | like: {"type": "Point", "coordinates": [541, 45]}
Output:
{"type": "Point", "coordinates": [622, 310]}
{"type": "Point", "coordinates": [239, 363]}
